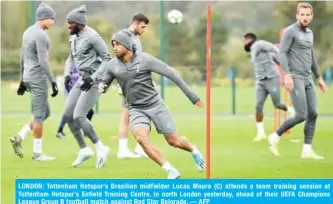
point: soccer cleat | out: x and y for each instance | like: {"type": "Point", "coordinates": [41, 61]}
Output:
{"type": "Point", "coordinates": [42, 157]}
{"type": "Point", "coordinates": [199, 161]}
{"type": "Point", "coordinates": [127, 154]}
{"type": "Point", "coordinates": [311, 155]}
{"type": "Point", "coordinates": [273, 144]}
{"type": "Point", "coordinates": [61, 135]}
{"type": "Point", "coordinates": [259, 137]}
{"type": "Point", "coordinates": [16, 143]}
{"type": "Point", "coordinates": [83, 155]}
{"type": "Point", "coordinates": [173, 174]}
{"type": "Point", "coordinates": [102, 156]}
{"type": "Point", "coordinates": [140, 152]}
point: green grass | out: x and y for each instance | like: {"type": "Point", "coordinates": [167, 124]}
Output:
{"type": "Point", "coordinates": [233, 154]}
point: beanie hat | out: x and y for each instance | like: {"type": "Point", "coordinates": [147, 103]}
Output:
{"type": "Point", "coordinates": [44, 11]}
{"type": "Point", "coordinates": [78, 15]}
{"type": "Point", "coordinates": [124, 37]}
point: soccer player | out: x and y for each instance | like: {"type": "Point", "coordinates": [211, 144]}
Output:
{"type": "Point", "coordinates": [89, 52]}
{"type": "Point", "coordinates": [35, 72]}
{"type": "Point", "coordinates": [137, 28]}
{"type": "Point", "coordinates": [133, 72]}
{"type": "Point", "coordinates": [72, 80]}
{"type": "Point", "coordinates": [263, 56]}
{"type": "Point", "coordinates": [298, 62]}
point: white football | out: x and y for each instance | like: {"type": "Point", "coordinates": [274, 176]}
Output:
{"type": "Point", "coordinates": [175, 16]}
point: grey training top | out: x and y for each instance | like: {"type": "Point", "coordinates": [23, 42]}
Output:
{"type": "Point", "coordinates": [135, 80]}
{"type": "Point", "coordinates": [34, 60]}
{"type": "Point", "coordinates": [296, 52]}
{"type": "Point", "coordinates": [263, 55]}
{"type": "Point", "coordinates": [89, 52]}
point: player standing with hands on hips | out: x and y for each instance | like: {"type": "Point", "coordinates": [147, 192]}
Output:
{"type": "Point", "coordinates": [133, 72]}
{"type": "Point", "coordinates": [298, 62]}
{"type": "Point", "coordinates": [35, 71]}
{"type": "Point", "coordinates": [89, 52]}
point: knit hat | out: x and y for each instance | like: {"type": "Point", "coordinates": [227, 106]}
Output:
{"type": "Point", "coordinates": [124, 37]}
{"type": "Point", "coordinates": [44, 11]}
{"type": "Point", "coordinates": [78, 15]}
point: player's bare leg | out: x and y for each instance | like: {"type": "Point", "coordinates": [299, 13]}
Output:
{"type": "Point", "coordinates": [124, 151]}
{"type": "Point", "coordinates": [141, 134]}
{"type": "Point", "coordinates": [37, 143]}
{"type": "Point", "coordinates": [176, 141]}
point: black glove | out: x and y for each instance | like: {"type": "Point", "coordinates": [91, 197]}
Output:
{"type": "Point", "coordinates": [21, 89]}
{"type": "Point", "coordinates": [54, 89]}
{"type": "Point", "coordinates": [66, 83]}
{"type": "Point", "coordinates": [87, 84]}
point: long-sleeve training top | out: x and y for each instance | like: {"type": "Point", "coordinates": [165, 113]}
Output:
{"type": "Point", "coordinates": [34, 59]}
{"type": "Point", "coordinates": [135, 80]}
{"type": "Point", "coordinates": [296, 52]}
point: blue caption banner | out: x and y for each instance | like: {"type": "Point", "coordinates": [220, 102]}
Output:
{"type": "Point", "coordinates": [182, 191]}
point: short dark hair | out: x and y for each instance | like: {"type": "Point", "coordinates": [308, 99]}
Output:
{"type": "Point", "coordinates": [251, 36]}
{"type": "Point", "coordinates": [140, 17]}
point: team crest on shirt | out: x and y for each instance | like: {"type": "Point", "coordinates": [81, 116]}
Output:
{"type": "Point", "coordinates": [137, 68]}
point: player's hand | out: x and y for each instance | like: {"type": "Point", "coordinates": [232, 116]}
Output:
{"type": "Point", "coordinates": [67, 82]}
{"type": "Point", "coordinates": [102, 88]}
{"type": "Point", "coordinates": [288, 82]}
{"type": "Point", "coordinates": [199, 104]}
{"type": "Point", "coordinates": [54, 89]}
{"type": "Point", "coordinates": [21, 89]}
{"type": "Point", "coordinates": [87, 84]}
{"type": "Point", "coordinates": [322, 85]}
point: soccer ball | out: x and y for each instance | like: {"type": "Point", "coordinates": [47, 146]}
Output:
{"type": "Point", "coordinates": [175, 16]}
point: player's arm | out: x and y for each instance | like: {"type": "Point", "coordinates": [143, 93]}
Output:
{"type": "Point", "coordinates": [315, 71]}
{"type": "Point", "coordinates": [43, 56]}
{"type": "Point", "coordinates": [157, 66]}
{"type": "Point", "coordinates": [107, 79]}
{"type": "Point", "coordinates": [99, 45]}
{"type": "Point", "coordinates": [286, 41]}
{"type": "Point", "coordinates": [314, 66]}
{"type": "Point", "coordinates": [275, 57]}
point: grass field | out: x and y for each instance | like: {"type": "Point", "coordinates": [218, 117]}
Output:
{"type": "Point", "coordinates": [233, 154]}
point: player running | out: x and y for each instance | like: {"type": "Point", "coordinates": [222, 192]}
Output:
{"type": "Point", "coordinates": [133, 71]}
